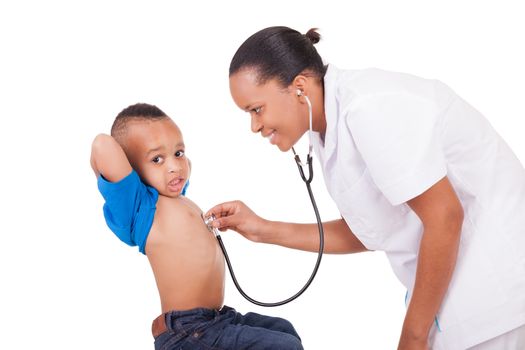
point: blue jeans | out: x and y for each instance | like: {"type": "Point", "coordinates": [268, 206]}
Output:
{"type": "Point", "coordinates": [226, 330]}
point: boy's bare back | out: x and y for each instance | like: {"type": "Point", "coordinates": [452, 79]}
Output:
{"type": "Point", "coordinates": [186, 260]}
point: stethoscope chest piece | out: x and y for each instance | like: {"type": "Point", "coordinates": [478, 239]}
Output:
{"type": "Point", "coordinates": [208, 221]}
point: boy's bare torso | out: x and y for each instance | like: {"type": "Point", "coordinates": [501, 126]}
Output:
{"type": "Point", "coordinates": [185, 257]}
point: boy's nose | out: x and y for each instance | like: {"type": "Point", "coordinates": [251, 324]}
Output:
{"type": "Point", "coordinates": [256, 124]}
{"type": "Point", "coordinates": [173, 166]}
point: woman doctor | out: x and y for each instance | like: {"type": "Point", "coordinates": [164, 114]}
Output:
{"type": "Point", "coordinates": [414, 170]}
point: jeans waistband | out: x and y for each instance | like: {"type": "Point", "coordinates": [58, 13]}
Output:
{"type": "Point", "coordinates": [160, 324]}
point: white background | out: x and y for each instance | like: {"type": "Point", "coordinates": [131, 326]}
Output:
{"type": "Point", "coordinates": [67, 68]}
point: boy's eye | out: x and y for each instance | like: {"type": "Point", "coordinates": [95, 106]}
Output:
{"type": "Point", "coordinates": [179, 154]}
{"type": "Point", "coordinates": [257, 110]}
{"type": "Point", "coordinates": [157, 160]}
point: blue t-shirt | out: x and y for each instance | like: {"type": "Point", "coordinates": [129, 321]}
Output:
{"type": "Point", "coordinates": [130, 208]}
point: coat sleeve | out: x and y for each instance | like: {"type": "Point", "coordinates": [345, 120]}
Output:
{"type": "Point", "coordinates": [397, 135]}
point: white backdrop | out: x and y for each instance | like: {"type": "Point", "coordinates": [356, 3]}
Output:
{"type": "Point", "coordinates": [67, 68]}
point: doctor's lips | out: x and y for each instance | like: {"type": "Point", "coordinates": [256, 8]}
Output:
{"type": "Point", "coordinates": [176, 184]}
{"type": "Point", "coordinates": [269, 136]}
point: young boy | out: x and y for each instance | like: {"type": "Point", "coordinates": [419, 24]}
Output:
{"type": "Point", "coordinates": [142, 171]}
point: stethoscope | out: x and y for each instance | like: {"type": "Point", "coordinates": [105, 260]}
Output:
{"type": "Point", "coordinates": [208, 221]}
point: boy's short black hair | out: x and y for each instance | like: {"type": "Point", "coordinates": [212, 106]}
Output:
{"type": "Point", "coordinates": [140, 111]}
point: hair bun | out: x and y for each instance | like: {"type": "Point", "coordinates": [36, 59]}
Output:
{"type": "Point", "coordinates": [313, 36]}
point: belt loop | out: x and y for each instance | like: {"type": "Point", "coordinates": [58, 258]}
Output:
{"type": "Point", "coordinates": [167, 321]}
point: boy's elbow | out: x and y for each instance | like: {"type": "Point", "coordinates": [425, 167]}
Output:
{"type": "Point", "coordinates": [101, 143]}
{"type": "Point", "coordinates": [108, 158]}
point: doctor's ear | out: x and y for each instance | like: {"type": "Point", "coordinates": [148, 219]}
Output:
{"type": "Point", "coordinates": [299, 85]}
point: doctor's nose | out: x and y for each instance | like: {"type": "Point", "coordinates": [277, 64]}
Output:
{"type": "Point", "coordinates": [256, 124]}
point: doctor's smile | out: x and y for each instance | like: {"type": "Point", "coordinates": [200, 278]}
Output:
{"type": "Point", "coordinates": [270, 137]}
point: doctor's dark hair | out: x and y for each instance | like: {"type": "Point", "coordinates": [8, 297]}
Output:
{"type": "Point", "coordinates": [138, 111]}
{"type": "Point", "coordinates": [281, 53]}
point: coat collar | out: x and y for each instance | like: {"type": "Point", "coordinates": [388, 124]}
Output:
{"type": "Point", "coordinates": [331, 113]}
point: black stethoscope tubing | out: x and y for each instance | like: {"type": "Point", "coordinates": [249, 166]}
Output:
{"type": "Point", "coordinates": [307, 181]}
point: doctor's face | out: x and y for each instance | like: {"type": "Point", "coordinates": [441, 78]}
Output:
{"type": "Point", "coordinates": [275, 111]}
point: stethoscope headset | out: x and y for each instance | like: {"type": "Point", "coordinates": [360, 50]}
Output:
{"type": "Point", "coordinates": [307, 181]}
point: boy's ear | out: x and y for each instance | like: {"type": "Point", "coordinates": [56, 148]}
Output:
{"type": "Point", "coordinates": [189, 162]}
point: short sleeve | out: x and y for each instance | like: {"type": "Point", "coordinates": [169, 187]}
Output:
{"type": "Point", "coordinates": [129, 208]}
{"type": "Point", "coordinates": [398, 138]}
{"type": "Point", "coordinates": [185, 188]}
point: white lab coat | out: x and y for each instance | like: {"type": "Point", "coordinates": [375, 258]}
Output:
{"type": "Point", "coordinates": [389, 137]}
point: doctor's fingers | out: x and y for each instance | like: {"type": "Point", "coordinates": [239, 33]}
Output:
{"type": "Point", "coordinates": [225, 209]}
{"type": "Point", "coordinates": [227, 223]}
{"type": "Point", "coordinates": [245, 225]}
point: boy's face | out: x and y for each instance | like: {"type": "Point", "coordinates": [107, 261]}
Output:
{"type": "Point", "coordinates": [155, 150]}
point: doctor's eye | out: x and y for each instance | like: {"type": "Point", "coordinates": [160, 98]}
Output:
{"type": "Point", "coordinates": [179, 154]}
{"type": "Point", "coordinates": [157, 159]}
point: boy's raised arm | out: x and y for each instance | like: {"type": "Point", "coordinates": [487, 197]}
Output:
{"type": "Point", "coordinates": [108, 158]}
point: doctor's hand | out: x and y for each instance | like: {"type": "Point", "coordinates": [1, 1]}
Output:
{"type": "Point", "coordinates": [237, 216]}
